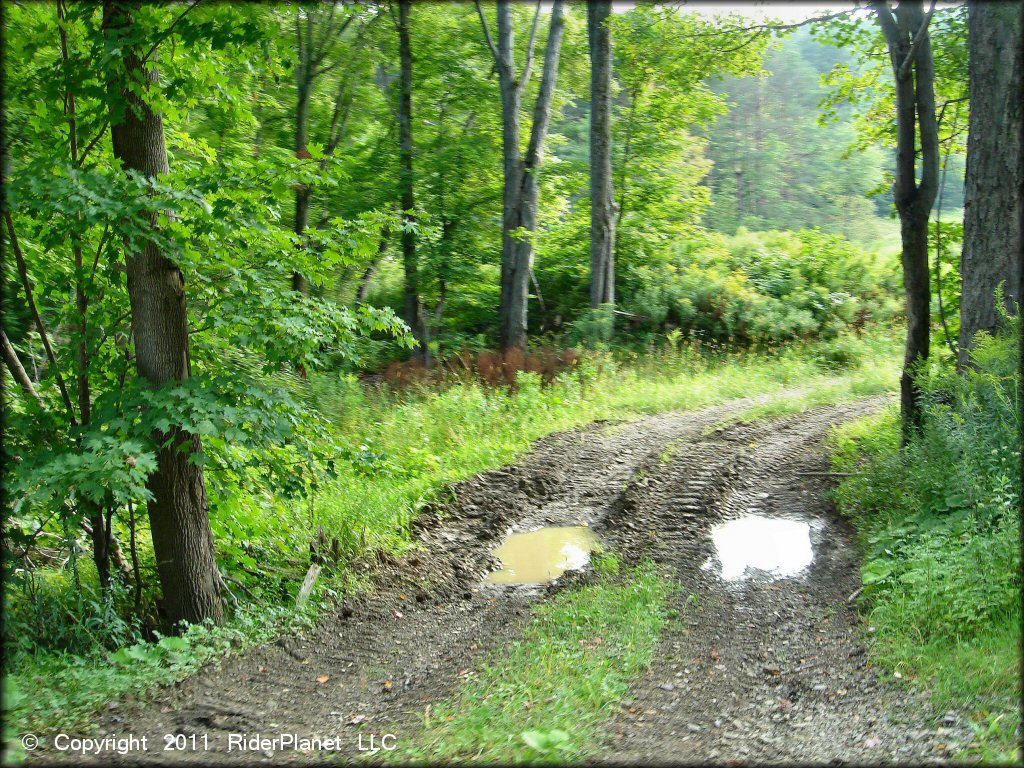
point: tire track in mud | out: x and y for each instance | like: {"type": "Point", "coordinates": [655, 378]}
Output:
{"type": "Point", "coordinates": [651, 488]}
{"type": "Point", "coordinates": [761, 669]}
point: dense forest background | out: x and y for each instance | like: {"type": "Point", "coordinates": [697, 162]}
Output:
{"type": "Point", "coordinates": [276, 275]}
{"type": "Point", "coordinates": [760, 156]}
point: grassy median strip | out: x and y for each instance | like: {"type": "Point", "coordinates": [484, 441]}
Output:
{"type": "Point", "coordinates": [544, 698]}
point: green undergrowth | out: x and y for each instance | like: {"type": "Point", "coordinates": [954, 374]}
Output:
{"type": "Point", "coordinates": [404, 449]}
{"type": "Point", "coordinates": [940, 530]}
{"type": "Point", "coordinates": [53, 692]}
{"type": "Point", "coordinates": [544, 697]}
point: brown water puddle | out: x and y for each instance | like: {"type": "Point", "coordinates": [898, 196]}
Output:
{"type": "Point", "coordinates": [536, 557]}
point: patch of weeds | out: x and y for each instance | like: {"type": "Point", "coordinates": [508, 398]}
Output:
{"type": "Point", "coordinates": [941, 537]}
{"type": "Point", "coordinates": [544, 698]}
{"type": "Point", "coordinates": [669, 453]}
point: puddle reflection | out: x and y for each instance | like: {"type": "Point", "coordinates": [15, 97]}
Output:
{"type": "Point", "coordinates": [754, 543]}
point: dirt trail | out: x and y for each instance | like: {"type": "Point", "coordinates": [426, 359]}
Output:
{"type": "Point", "coordinates": [767, 670]}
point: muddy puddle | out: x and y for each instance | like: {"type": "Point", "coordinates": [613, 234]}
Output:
{"type": "Point", "coordinates": [762, 546]}
{"type": "Point", "coordinates": [537, 557]}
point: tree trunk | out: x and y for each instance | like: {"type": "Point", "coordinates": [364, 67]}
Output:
{"type": "Point", "coordinates": [910, 54]}
{"type": "Point", "coordinates": [512, 308]}
{"type": "Point", "coordinates": [992, 206]}
{"type": "Point", "coordinates": [602, 194]}
{"type": "Point", "coordinates": [182, 539]}
{"type": "Point", "coordinates": [90, 510]}
{"type": "Point", "coordinates": [371, 269]}
{"type": "Point", "coordinates": [413, 308]}
{"type": "Point", "coordinates": [302, 192]}
{"type": "Point", "coordinates": [519, 207]}
{"type": "Point", "coordinates": [1019, 246]}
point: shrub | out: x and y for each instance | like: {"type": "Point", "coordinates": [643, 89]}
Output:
{"type": "Point", "coordinates": [938, 521]}
{"type": "Point", "coordinates": [762, 287]}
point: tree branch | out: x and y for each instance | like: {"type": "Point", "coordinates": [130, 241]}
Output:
{"type": "Point", "coordinates": [542, 108]}
{"type": "Point", "coordinates": [938, 245]}
{"type": "Point", "coordinates": [924, 103]}
{"type": "Point", "coordinates": [167, 32]}
{"type": "Point", "coordinates": [91, 144]}
{"type": "Point", "coordinates": [99, 250]}
{"type": "Point", "coordinates": [529, 49]}
{"type": "Point", "coordinates": [890, 30]}
{"type": "Point", "coordinates": [23, 273]}
{"type": "Point", "coordinates": [487, 35]}
{"type": "Point", "coordinates": [18, 370]}
{"type": "Point", "coordinates": [320, 48]}
{"type": "Point", "coordinates": [778, 27]}
{"type": "Point", "coordinates": [916, 43]}
{"type": "Point", "coordinates": [299, 73]}
{"type": "Point", "coordinates": [69, 97]}
{"type": "Point", "coordinates": [325, 49]}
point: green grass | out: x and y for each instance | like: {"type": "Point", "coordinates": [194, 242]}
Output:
{"type": "Point", "coordinates": [545, 697]}
{"type": "Point", "coordinates": [862, 382]}
{"type": "Point", "coordinates": [58, 692]}
{"type": "Point", "coordinates": [941, 573]}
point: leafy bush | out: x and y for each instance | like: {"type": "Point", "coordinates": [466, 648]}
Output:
{"type": "Point", "coordinates": [761, 286]}
{"type": "Point", "coordinates": [939, 524]}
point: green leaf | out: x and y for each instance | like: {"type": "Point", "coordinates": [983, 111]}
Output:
{"type": "Point", "coordinates": [875, 571]}
{"type": "Point", "coordinates": [174, 644]}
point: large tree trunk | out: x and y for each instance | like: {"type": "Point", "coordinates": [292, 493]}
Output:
{"type": "Point", "coordinates": [1019, 246]}
{"type": "Point", "coordinates": [413, 308]}
{"type": "Point", "coordinates": [992, 206]}
{"type": "Point", "coordinates": [519, 205]}
{"type": "Point", "coordinates": [182, 539]}
{"type": "Point", "coordinates": [910, 54]}
{"type": "Point", "coordinates": [602, 195]}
